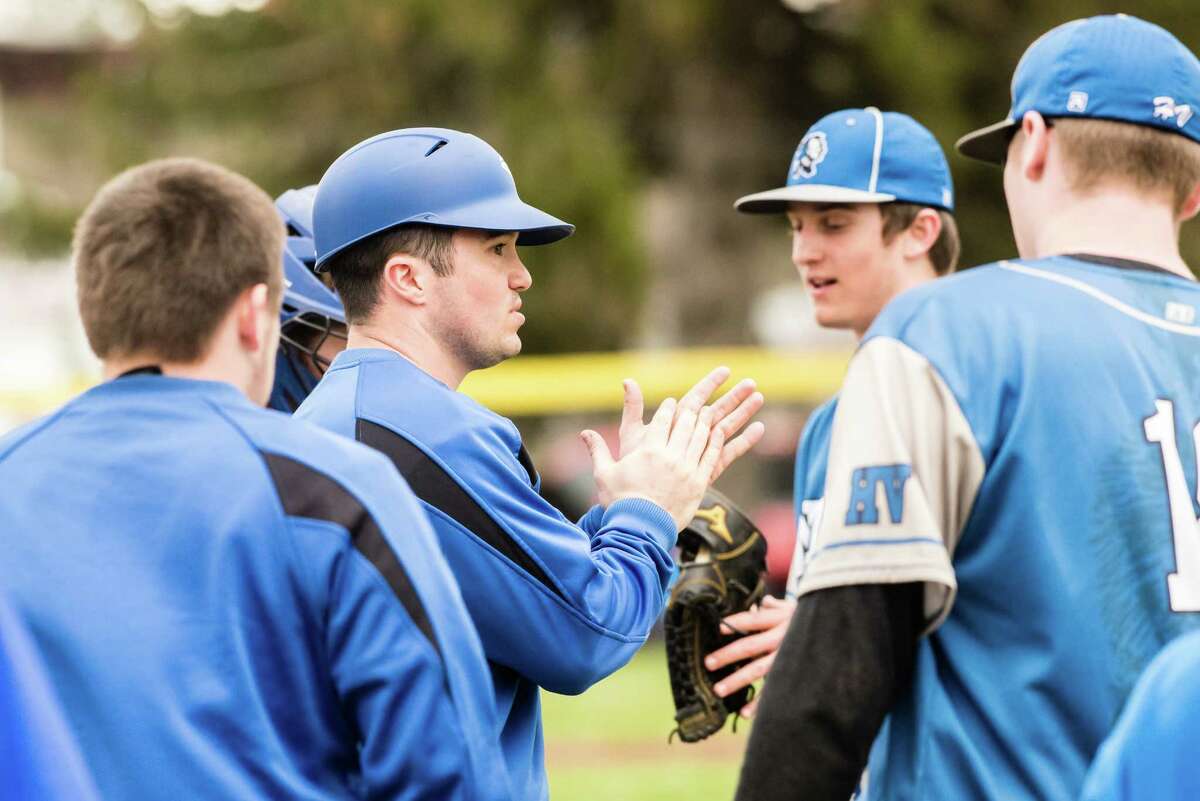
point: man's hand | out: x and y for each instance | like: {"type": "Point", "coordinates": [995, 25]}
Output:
{"type": "Point", "coordinates": [670, 466]}
{"type": "Point", "coordinates": [730, 413]}
{"type": "Point", "coordinates": [770, 622]}
{"type": "Point", "coordinates": [672, 460]}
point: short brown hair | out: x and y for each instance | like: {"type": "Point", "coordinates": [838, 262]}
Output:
{"type": "Point", "coordinates": [944, 253]}
{"type": "Point", "coordinates": [357, 270]}
{"type": "Point", "coordinates": [164, 249]}
{"type": "Point", "coordinates": [1153, 161]}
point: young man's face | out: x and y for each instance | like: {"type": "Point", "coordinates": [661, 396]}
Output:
{"type": "Point", "coordinates": [848, 270]}
{"type": "Point", "coordinates": [477, 307]}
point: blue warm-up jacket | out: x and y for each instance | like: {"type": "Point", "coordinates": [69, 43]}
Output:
{"type": "Point", "coordinates": [234, 604]}
{"type": "Point", "coordinates": [39, 760]}
{"type": "Point", "coordinates": [557, 605]}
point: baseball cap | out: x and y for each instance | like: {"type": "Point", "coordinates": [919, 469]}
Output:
{"type": "Point", "coordinates": [861, 155]}
{"type": "Point", "coordinates": [1112, 67]}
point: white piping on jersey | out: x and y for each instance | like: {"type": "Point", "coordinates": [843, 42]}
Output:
{"type": "Point", "coordinates": [1105, 298]}
{"type": "Point", "coordinates": [878, 147]}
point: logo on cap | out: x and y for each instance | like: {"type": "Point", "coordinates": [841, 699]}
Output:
{"type": "Point", "coordinates": [1165, 109]}
{"type": "Point", "coordinates": [1077, 102]}
{"type": "Point", "coordinates": [811, 152]}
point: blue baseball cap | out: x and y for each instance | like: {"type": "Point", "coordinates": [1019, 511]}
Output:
{"type": "Point", "coordinates": [1113, 67]}
{"type": "Point", "coordinates": [862, 156]}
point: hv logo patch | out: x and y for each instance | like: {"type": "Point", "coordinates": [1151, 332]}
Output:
{"type": "Point", "coordinates": [864, 483]}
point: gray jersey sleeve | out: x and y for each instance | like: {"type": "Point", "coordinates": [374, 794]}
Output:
{"type": "Point", "coordinates": [904, 470]}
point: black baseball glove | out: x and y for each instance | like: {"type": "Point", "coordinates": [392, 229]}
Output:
{"type": "Point", "coordinates": [722, 563]}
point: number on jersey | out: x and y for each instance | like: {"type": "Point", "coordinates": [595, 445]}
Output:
{"type": "Point", "coordinates": [1183, 586]}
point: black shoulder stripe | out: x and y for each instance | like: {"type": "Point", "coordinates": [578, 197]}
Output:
{"type": "Point", "coordinates": [438, 488]}
{"type": "Point", "coordinates": [308, 493]}
{"type": "Point", "coordinates": [527, 462]}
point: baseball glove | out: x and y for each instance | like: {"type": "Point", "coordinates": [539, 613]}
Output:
{"type": "Point", "coordinates": [722, 564]}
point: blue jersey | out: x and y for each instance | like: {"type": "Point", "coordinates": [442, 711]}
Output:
{"type": "Point", "coordinates": [39, 759]}
{"type": "Point", "coordinates": [557, 605]}
{"type": "Point", "coordinates": [233, 603]}
{"type": "Point", "coordinates": [1020, 438]}
{"type": "Point", "coordinates": [1151, 754]}
{"type": "Point", "coordinates": [808, 491]}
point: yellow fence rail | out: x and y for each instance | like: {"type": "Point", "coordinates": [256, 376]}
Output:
{"type": "Point", "coordinates": [584, 382]}
{"type": "Point", "coordinates": [587, 382]}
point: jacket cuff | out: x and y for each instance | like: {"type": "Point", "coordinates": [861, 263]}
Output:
{"type": "Point", "coordinates": [644, 515]}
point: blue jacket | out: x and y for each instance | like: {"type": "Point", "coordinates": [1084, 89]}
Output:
{"type": "Point", "coordinates": [233, 603]}
{"type": "Point", "coordinates": [39, 759]}
{"type": "Point", "coordinates": [557, 605]}
{"type": "Point", "coordinates": [1151, 753]}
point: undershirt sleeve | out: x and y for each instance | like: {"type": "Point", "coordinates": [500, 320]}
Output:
{"type": "Point", "coordinates": [848, 654]}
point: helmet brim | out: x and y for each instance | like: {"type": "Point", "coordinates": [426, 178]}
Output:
{"type": "Point", "coordinates": [303, 292]}
{"type": "Point", "coordinates": [533, 226]}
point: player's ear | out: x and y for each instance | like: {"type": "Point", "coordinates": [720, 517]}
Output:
{"type": "Point", "coordinates": [255, 318]}
{"type": "Point", "coordinates": [921, 235]}
{"type": "Point", "coordinates": [1190, 206]}
{"type": "Point", "coordinates": [407, 277]}
{"type": "Point", "coordinates": [1034, 146]}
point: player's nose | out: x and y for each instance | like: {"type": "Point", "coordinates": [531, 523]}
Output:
{"type": "Point", "coordinates": [520, 279]}
{"type": "Point", "coordinates": [805, 250]}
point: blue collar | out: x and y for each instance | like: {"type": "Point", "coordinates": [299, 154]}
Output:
{"type": "Point", "coordinates": [148, 383]}
{"type": "Point", "coordinates": [353, 356]}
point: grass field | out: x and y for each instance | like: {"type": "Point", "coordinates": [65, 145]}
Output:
{"type": "Point", "coordinates": [611, 742]}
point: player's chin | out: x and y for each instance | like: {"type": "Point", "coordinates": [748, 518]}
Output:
{"type": "Point", "coordinates": [830, 315]}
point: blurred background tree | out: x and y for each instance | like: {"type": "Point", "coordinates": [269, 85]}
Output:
{"type": "Point", "coordinates": [638, 121]}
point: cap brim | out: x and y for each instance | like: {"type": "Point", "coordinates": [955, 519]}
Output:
{"type": "Point", "coordinates": [775, 201]}
{"type": "Point", "coordinates": [988, 144]}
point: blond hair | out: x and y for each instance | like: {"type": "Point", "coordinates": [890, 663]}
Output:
{"type": "Point", "coordinates": [1152, 161]}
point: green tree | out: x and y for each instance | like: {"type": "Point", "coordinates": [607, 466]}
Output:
{"type": "Point", "coordinates": [593, 103]}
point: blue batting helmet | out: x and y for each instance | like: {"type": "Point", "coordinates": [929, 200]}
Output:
{"type": "Point", "coordinates": [296, 206]}
{"type": "Point", "coordinates": [303, 291]}
{"type": "Point", "coordinates": [433, 176]}
{"type": "Point", "coordinates": [310, 308]}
